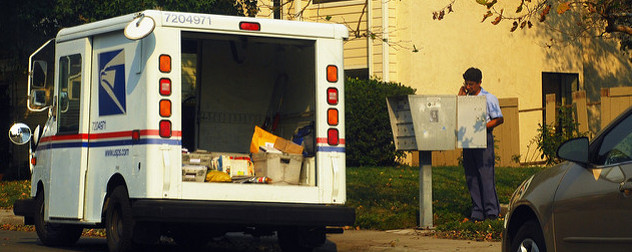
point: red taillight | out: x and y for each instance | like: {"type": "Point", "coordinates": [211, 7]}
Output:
{"type": "Point", "coordinates": [165, 129]}
{"type": "Point", "coordinates": [165, 63]}
{"type": "Point", "coordinates": [34, 160]}
{"type": "Point", "coordinates": [332, 137]}
{"type": "Point", "coordinates": [332, 96]}
{"type": "Point", "coordinates": [165, 108]}
{"type": "Point", "coordinates": [250, 26]}
{"type": "Point", "coordinates": [332, 73]}
{"type": "Point", "coordinates": [135, 135]}
{"type": "Point", "coordinates": [332, 116]}
{"type": "Point", "coordinates": [165, 86]}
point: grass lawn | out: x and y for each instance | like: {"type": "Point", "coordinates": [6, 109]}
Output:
{"type": "Point", "coordinates": [386, 198]}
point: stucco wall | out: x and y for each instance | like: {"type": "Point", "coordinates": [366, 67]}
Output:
{"type": "Point", "coordinates": [512, 62]}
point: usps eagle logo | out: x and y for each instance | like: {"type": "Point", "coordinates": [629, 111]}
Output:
{"type": "Point", "coordinates": [112, 83]}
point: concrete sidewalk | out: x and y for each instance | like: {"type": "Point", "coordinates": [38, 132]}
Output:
{"type": "Point", "coordinates": [365, 240]}
{"type": "Point", "coordinates": [7, 217]}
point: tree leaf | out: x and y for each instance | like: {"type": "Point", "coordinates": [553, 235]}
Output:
{"type": "Point", "coordinates": [523, 24]}
{"type": "Point", "coordinates": [482, 2]}
{"type": "Point", "coordinates": [519, 9]}
{"type": "Point", "coordinates": [497, 20]}
{"type": "Point", "coordinates": [488, 14]}
{"type": "Point", "coordinates": [563, 7]}
{"type": "Point", "coordinates": [328, 18]}
{"type": "Point", "coordinates": [491, 4]}
{"type": "Point", "coordinates": [544, 13]}
{"type": "Point", "coordinates": [514, 27]}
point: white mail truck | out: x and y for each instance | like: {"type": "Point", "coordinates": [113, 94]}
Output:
{"type": "Point", "coordinates": [136, 102]}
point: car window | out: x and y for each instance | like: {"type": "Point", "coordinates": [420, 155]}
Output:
{"type": "Point", "coordinates": [617, 144]}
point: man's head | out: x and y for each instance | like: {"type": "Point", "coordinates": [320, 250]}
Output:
{"type": "Point", "coordinates": [472, 77]}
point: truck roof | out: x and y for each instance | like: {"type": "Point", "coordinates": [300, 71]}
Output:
{"type": "Point", "coordinates": [219, 23]}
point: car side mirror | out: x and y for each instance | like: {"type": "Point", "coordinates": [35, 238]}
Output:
{"type": "Point", "coordinates": [19, 133]}
{"type": "Point", "coordinates": [575, 150]}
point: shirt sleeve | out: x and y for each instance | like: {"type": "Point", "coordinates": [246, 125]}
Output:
{"type": "Point", "coordinates": [493, 107]}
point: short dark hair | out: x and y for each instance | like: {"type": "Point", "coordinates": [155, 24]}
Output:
{"type": "Point", "coordinates": [473, 74]}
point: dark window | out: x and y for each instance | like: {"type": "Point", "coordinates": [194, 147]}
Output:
{"type": "Point", "coordinates": [68, 104]}
{"type": "Point", "coordinates": [617, 144]}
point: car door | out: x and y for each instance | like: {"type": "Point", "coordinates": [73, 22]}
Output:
{"type": "Point", "coordinates": [593, 203]}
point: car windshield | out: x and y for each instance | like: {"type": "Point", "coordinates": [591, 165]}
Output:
{"type": "Point", "coordinates": [617, 144]}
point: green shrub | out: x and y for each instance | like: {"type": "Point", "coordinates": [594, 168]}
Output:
{"type": "Point", "coordinates": [549, 138]}
{"type": "Point", "coordinates": [369, 139]}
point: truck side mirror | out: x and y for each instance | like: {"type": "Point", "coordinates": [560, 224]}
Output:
{"type": "Point", "coordinates": [38, 72]}
{"type": "Point", "coordinates": [19, 133]}
{"type": "Point", "coordinates": [38, 98]}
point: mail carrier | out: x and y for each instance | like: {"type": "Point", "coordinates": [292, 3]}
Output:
{"type": "Point", "coordinates": [183, 125]}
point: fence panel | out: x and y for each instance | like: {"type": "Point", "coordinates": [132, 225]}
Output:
{"type": "Point", "coordinates": [614, 101]}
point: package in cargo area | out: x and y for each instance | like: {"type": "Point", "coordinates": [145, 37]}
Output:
{"type": "Point", "coordinates": [281, 168]}
{"type": "Point", "coordinates": [197, 158]}
{"type": "Point", "coordinates": [235, 166]}
{"type": "Point", "coordinates": [196, 173]}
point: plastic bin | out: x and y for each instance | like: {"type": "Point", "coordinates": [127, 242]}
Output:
{"type": "Point", "coordinates": [281, 168]}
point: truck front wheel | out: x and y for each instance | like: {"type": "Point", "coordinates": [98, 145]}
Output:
{"type": "Point", "coordinates": [119, 223]}
{"type": "Point", "coordinates": [51, 234]}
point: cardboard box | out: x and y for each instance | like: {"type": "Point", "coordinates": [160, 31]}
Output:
{"type": "Point", "coordinates": [239, 167]}
{"type": "Point", "coordinates": [281, 168]}
{"type": "Point", "coordinates": [196, 173]}
{"type": "Point", "coordinates": [288, 146]}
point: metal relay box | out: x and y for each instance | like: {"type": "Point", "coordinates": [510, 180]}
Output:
{"type": "Point", "coordinates": [438, 122]}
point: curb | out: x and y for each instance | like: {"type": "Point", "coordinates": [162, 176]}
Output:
{"type": "Point", "coordinates": [7, 217]}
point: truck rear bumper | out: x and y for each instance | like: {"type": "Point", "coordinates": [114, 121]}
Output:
{"type": "Point", "coordinates": [242, 213]}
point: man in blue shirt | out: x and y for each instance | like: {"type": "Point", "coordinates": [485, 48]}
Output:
{"type": "Point", "coordinates": [479, 163]}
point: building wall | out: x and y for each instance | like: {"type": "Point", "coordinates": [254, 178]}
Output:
{"type": "Point", "coordinates": [432, 55]}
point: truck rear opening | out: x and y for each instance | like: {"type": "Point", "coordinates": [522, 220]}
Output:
{"type": "Point", "coordinates": [232, 83]}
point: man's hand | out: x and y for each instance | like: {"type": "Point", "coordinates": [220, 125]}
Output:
{"type": "Point", "coordinates": [463, 91]}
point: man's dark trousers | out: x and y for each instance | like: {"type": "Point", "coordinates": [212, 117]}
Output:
{"type": "Point", "coordinates": [479, 175]}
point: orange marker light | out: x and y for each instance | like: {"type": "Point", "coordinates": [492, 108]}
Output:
{"type": "Point", "coordinates": [165, 108]}
{"type": "Point", "coordinates": [165, 63]}
{"type": "Point", "coordinates": [332, 116]}
{"type": "Point", "coordinates": [332, 73]}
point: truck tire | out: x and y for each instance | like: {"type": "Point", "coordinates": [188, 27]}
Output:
{"type": "Point", "coordinates": [51, 234]}
{"type": "Point", "coordinates": [119, 223]}
{"type": "Point", "coordinates": [301, 238]}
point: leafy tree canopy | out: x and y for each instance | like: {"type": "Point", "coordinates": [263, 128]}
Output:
{"type": "Point", "coordinates": [26, 24]}
{"type": "Point", "coordinates": [611, 18]}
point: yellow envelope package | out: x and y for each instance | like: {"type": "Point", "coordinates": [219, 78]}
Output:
{"type": "Point", "coordinates": [217, 176]}
{"type": "Point", "coordinates": [260, 138]}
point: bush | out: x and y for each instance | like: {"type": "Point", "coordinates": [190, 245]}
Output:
{"type": "Point", "coordinates": [549, 138]}
{"type": "Point", "coordinates": [369, 139]}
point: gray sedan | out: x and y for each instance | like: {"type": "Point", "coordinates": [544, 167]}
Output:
{"type": "Point", "coordinates": [583, 204]}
